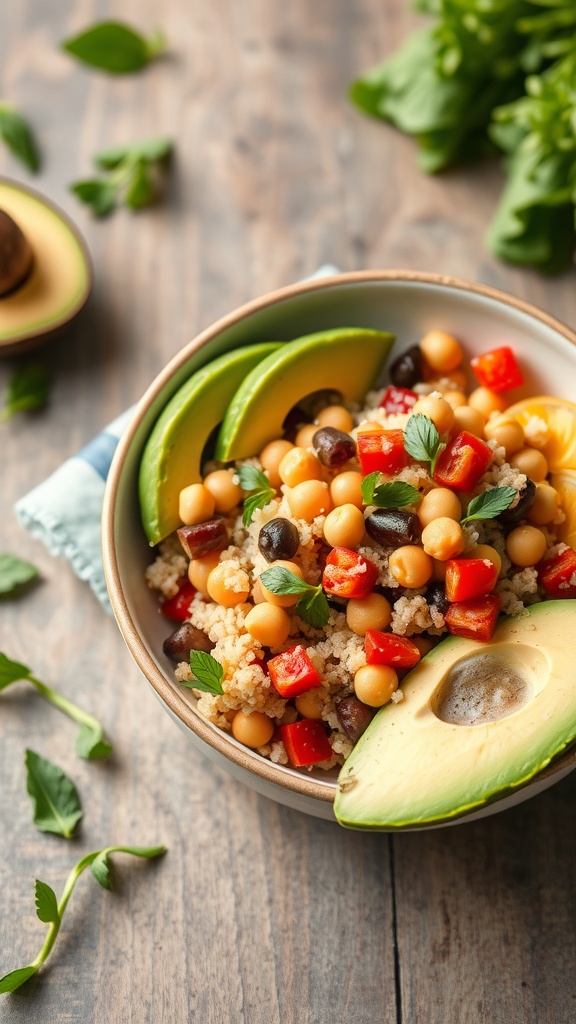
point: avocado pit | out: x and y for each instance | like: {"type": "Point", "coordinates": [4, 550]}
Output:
{"type": "Point", "coordinates": [15, 255]}
{"type": "Point", "coordinates": [486, 687]}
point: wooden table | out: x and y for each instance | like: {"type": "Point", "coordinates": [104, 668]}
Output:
{"type": "Point", "coordinates": [257, 913]}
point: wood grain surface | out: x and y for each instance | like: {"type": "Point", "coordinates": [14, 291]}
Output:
{"type": "Point", "coordinates": [257, 914]}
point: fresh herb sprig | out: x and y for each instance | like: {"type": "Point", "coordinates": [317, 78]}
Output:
{"type": "Point", "coordinates": [28, 390]}
{"type": "Point", "coordinates": [489, 504]}
{"type": "Point", "coordinates": [207, 673]}
{"type": "Point", "coordinates": [255, 482]}
{"type": "Point", "coordinates": [392, 494]}
{"type": "Point", "coordinates": [131, 177]}
{"type": "Point", "coordinates": [55, 798]}
{"type": "Point", "coordinates": [16, 133]}
{"type": "Point", "coordinates": [50, 910]}
{"type": "Point", "coordinates": [90, 741]}
{"type": "Point", "coordinates": [15, 573]}
{"type": "Point", "coordinates": [115, 47]}
{"type": "Point", "coordinates": [422, 440]}
{"type": "Point", "coordinates": [312, 605]}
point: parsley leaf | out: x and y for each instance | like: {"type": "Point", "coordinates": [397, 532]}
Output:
{"type": "Point", "coordinates": [17, 135]}
{"type": "Point", "coordinates": [489, 504]}
{"type": "Point", "coordinates": [253, 479]}
{"type": "Point", "coordinates": [14, 572]}
{"type": "Point", "coordinates": [56, 802]}
{"type": "Point", "coordinates": [131, 178]}
{"type": "Point", "coordinates": [393, 494]}
{"type": "Point", "coordinates": [422, 440]}
{"type": "Point", "coordinates": [207, 672]}
{"type": "Point", "coordinates": [368, 486]}
{"type": "Point", "coordinates": [46, 902]}
{"type": "Point", "coordinates": [115, 47]}
{"type": "Point", "coordinates": [27, 390]}
{"type": "Point", "coordinates": [312, 605]}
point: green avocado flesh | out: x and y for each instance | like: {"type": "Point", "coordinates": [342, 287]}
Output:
{"type": "Point", "coordinates": [347, 360]}
{"type": "Point", "coordinates": [171, 458]}
{"type": "Point", "coordinates": [423, 760]}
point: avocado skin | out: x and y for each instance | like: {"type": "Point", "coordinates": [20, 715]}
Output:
{"type": "Point", "coordinates": [171, 457]}
{"type": "Point", "coordinates": [348, 360]}
{"type": "Point", "coordinates": [411, 769]}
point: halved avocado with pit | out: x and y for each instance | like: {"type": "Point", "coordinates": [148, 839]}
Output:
{"type": "Point", "coordinates": [54, 285]}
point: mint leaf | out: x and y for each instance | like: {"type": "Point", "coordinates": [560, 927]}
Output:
{"type": "Point", "coordinates": [17, 135]}
{"type": "Point", "coordinates": [90, 742]}
{"type": "Point", "coordinates": [10, 982]}
{"type": "Point", "coordinates": [56, 802]}
{"type": "Point", "coordinates": [97, 194]}
{"type": "Point", "coordinates": [114, 47]}
{"type": "Point", "coordinates": [27, 390]}
{"type": "Point", "coordinates": [208, 673]}
{"type": "Point", "coordinates": [14, 572]}
{"type": "Point", "coordinates": [252, 479]}
{"type": "Point", "coordinates": [129, 179]}
{"type": "Point", "coordinates": [489, 504]}
{"type": "Point", "coordinates": [46, 903]}
{"type": "Point", "coordinates": [100, 868]}
{"type": "Point", "coordinates": [367, 487]}
{"type": "Point", "coordinates": [11, 671]}
{"type": "Point", "coordinates": [312, 606]}
{"type": "Point", "coordinates": [394, 494]}
{"type": "Point", "coordinates": [422, 440]}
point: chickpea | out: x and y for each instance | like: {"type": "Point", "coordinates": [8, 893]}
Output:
{"type": "Point", "coordinates": [346, 489]}
{"type": "Point", "coordinates": [508, 434]}
{"type": "Point", "coordinates": [375, 684]}
{"type": "Point", "coordinates": [220, 584]}
{"type": "Point", "coordinates": [438, 410]}
{"type": "Point", "coordinates": [441, 351]}
{"type": "Point", "coordinates": [282, 600]}
{"type": "Point", "coordinates": [257, 594]}
{"type": "Point", "coordinates": [372, 612]}
{"type": "Point", "coordinates": [199, 570]}
{"type": "Point", "coordinates": [304, 436]}
{"type": "Point", "coordinates": [268, 623]}
{"type": "Point", "coordinates": [455, 398]}
{"type": "Point", "coordinates": [270, 458]}
{"type": "Point", "coordinates": [299, 465]}
{"type": "Point", "coordinates": [443, 538]}
{"type": "Point", "coordinates": [335, 416]}
{"type": "Point", "coordinates": [531, 462]}
{"type": "Point", "coordinates": [253, 730]}
{"type": "Point", "coordinates": [545, 506]}
{"type": "Point", "coordinates": [344, 527]}
{"type": "Point", "coordinates": [440, 501]}
{"type": "Point", "coordinates": [486, 401]}
{"type": "Point", "coordinates": [195, 504]}
{"type": "Point", "coordinates": [225, 492]}
{"type": "Point", "coordinates": [309, 704]}
{"type": "Point", "coordinates": [410, 566]}
{"type": "Point", "coordinates": [370, 427]}
{"type": "Point", "coordinates": [487, 551]}
{"type": "Point", "coordinates": [309, 500]}
{"type": "Point", "coordinates": [525, 546]}
{"type": "Point", "coordinates": [466, 418]}
{"type": "Point", "coordinates": [458, 379]}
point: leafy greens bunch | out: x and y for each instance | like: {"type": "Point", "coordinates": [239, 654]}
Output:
{"type": "Point", "coordinates": [489, 74]}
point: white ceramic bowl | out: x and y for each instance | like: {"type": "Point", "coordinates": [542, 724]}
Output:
{"type": "Point", "coordinates": [407, 303]}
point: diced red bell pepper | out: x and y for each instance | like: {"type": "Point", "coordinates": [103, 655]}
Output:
{"type": "Point", "coordinates": [178, 607]}
{"type": "Point", "coordinates": [306, 742]}
{"type": "Point", "coordinates": [475, 619]}
{"type": "Point", "coordinates": [292, 672]}
{"type": "Point", "coordinates": [558, 574]}
{"type": "Point", "coordinates": [469, 577]}
{"type": "Point", "coordinates": [348, 574]}
{"type": "Point", "coordinates": [381, 451]}
{"type": "Point", "coordinates": [389, 649]}
{"type": "Point", "coordinates": [398, 399]}
{"type": "Point", "coordinates": [464, 460]}
{"type": "Point", "coordinates": [498, 369]}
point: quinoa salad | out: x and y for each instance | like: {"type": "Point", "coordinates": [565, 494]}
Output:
{"type": "Point", "coordinates": [313, 576]}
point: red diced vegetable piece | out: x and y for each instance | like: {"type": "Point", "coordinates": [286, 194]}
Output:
{"type": "Point", "coordinates": [558, 574]}
{"type": "Point", "coordinates": [388, 649]}
{"type": "Point", "coordinates": [498, 369]}
{"type": "Point", "coordinates": [398, 399]}
{"type": "Point", "coordinates": [469, 577]}
{"type": "Point", "coordinates": [292, 672]}
{"type": "Point", "coordinates": [348, 574]}
{"type": "Point", "coordinates": [476, 619]}
{"type": "Point", "coordinates": [178, 607]}
{"type": "Point", "coordinates": [306, 742]}
{"type": "Point", "coordinates": [382, 451]}
{"type": "Point", "coordinates": [464, 460]}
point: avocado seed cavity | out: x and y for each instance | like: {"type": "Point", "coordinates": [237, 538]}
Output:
{"type": "Point", "coordinates": [486, 687]}
{"type": "Point", "coordinates": [15, 255]}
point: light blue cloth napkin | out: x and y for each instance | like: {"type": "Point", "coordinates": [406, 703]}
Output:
{"type": "Point", "coordinates": [65, 511]}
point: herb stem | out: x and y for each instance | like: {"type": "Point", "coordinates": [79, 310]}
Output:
{"type": "Point", "coordinates": [65, 705]}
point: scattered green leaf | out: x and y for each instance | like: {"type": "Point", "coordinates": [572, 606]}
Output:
{"type": "Point", "coordinates": [115, 47]}
{"type": "Point", "coordinates": [253, 479]}
{"type": "Point", "coordinates": [392, 494]}
{"type": "Point", "coordinates": [27, 390]}
{"type": "Point", "coordinates": [312, 605]}
{"type": "Point", "coordinates": [17, 135]}
{"type": "Point", "coordinates": [14, 572]}
{"type": "Point", "coordinates": [46, 903]}
{"type": "Point", "coordinates": [207, 673]}
{"type": "Point", "coordinates": [55, 797]}
{"type": "Point", "coordinates": [422, 440]}
{"type": "Point", "coordinates": [489, 504]}
{"type": "Point", "coordinates": [131, 178]}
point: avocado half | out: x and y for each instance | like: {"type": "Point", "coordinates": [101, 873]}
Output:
{"type": "Point", "coordinates": [58, 281]}
{"type": "Point", "coordinates": [476, 721]}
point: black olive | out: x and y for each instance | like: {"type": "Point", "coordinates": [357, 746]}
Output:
{"type": "Point", "coordinates": [407, 368]}
{"type": "Point", "coordinates": [278, 539]}
{"type": "Point", "coordinates": [392, 527]}
{"type": "Point", "coordinates": [512, 516]}
{"type": "Point", "coordinates": [184, 639]}
{"type": "Point", "coordinates": [354, 717]}
{"type": "Point", "coordinates": [333, 447]}
{"type": "Point", "coordinates": [436, 597]}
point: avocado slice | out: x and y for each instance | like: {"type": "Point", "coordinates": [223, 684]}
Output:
{"type": "Point", "coordinates": [347, 360]}
{"type": "Point", "coordinates": [56, 284]}
{"type": "Point", "coordinates": [171, 457]}
{"type": "Point", "coordinates": [423, 760]}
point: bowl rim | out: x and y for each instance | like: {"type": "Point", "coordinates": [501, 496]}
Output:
{"type": "Point", "coordinates": [221, 742]}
